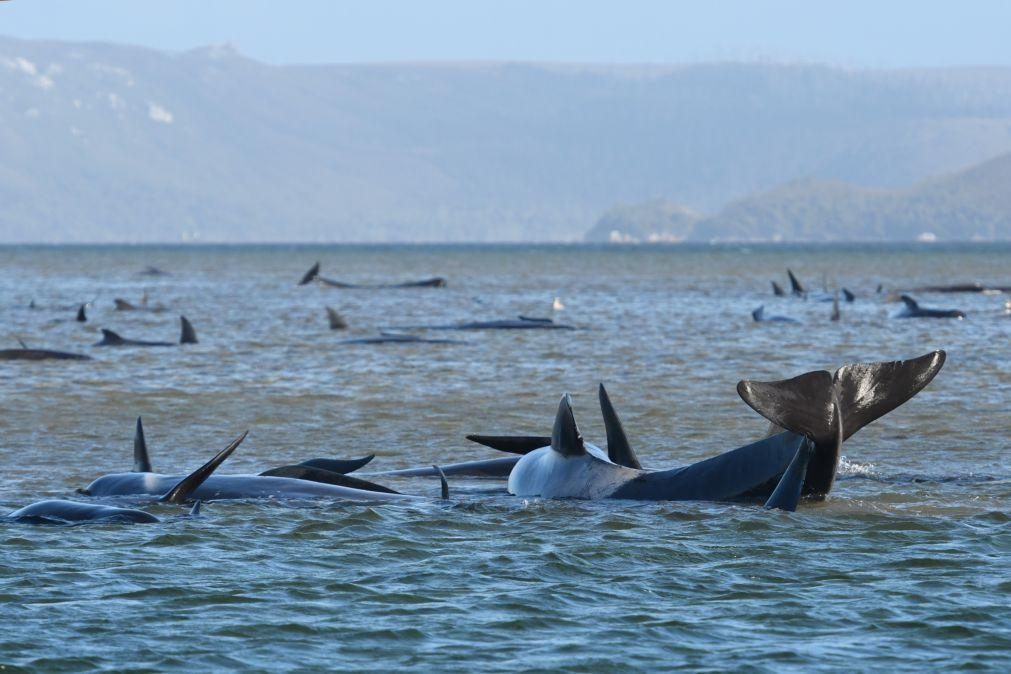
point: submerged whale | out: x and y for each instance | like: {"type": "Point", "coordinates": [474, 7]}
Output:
{"type": "Point", "coordinates": [519, 323]}
{"type": "Point", "coordinates": [813, 414]}
{"type": "Point", "coordinates": [912, 309]}
{"type": "Point", "coordinates": [758, 315]}
{"type": "Point", "coordinates": [310, 480]}
{"type": "Point", "coordinates": [313, 275]}
{"type": "Point", "coordinates": [60, 511]}
{"type": "Point", "coordinates": [24, 353]}
{"type": "Point", "coordinates": [398, 338]}
{"type": "Point", "coordinates": [110, 338]}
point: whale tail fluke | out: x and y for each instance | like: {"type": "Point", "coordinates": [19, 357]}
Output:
{"type": "Point", "coordinates": [619, 450]}
{"type": "Point", "coordinates": [824, 407]}
{"type": "Point", "coordinates": [141, 460]}
{"type": "Point", "coordinates": [189, 484]}
{"type": "Point", "coordinates": [310, 275]}
{"type": "Point", "coordinates": [189, 335]}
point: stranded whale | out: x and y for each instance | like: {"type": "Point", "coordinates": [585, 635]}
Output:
{"type": "Point", "coordinates": [914, 310]}
{"type": "Point", "coordinates": [59, 511]}
{"type": "Point", "coordinates": [110, 338]}
{"type": "Point", "coordinates": [818, 411]}
{"type": "Point", "coordinates": [313, 275]}
{"type": "Point", "coordinates": [314, 480]}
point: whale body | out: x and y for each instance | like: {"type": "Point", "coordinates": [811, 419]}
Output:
{"type": "Point", "coordinates": [812, 415]}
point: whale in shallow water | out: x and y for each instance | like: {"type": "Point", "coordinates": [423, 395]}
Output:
{"type": "Point", "coordinates": [818, 411]}
{"type": "Point", "coordinates": [758, 315]}
{"type": "Point", "coordinates": [313, 479]}
{"type": "Point", "coordinates": [110, 338]}
{"type": "Point", "coordinates": [313, 275]}
{"type": "Point", "coordinates": [519, 323]}
{"type": "Point", "coordinates": [912, 309]}
{"type": "Point", "coordinates": [398, 338]}
{"type": "Point", "coordinates": [60, 511]}
{"type": "Point", "coordinates": [24, 353]}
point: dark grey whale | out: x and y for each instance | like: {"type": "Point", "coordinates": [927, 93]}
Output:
{"type": "Point", "coordinates": [398, 338]}
{"type": "Point", "coordinates": [758, 315]}
{"type": "Point", "coordinates": [24, 353]}
{"type": "Point", "coordinates": [227, 487]}
{"type": "Point", "coordinates": [818, 411]}
{"type": "Point", "coordinates": [313, 275]}
{"type": "Point", "coordinates": [519, 323]}
{"type": "Point", "coordinates": [59, 511]}
{"type": "Point", "coordinates": [110, 338]}
{"type": "Point", "coordinates": [912, 309]}
{"type": "Point", "coordinates": [329, 471]}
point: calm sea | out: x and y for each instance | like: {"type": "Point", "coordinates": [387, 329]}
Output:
{"type": "Point", "coordinates": [905, 568]}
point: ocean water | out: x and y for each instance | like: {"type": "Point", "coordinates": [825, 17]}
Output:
{"type": "Point", "coordinates": [904, 568]}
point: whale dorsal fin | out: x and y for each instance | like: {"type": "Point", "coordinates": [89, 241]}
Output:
{"type": "Point", "coordinates": [565, 436]}
{"type": "Point", "coordinates": [514, 444]}
{"type": "Point", "coordinates": [336, 321]}
{"type": "Point", "coordinates": [310, 275]}
{"type": "Point", "coordinates": [189, 484]}
{"type": "Point", "coordinates": [910, 302]}
{"type": "Point", "coordinates": [848, 295]}
{"type": "Point", "coordinates": [189, 335]}
{"type": "Point", "coordinates": [795, 285]}
{"type": "Point", "coordinates": [81, 316]}
{"type": "Point", "coordinates": [22, 343]}
{"type": "Point", "coordinates": [141, 460]}
{"type": "Point", "coordinates": [777, 289]}
{"type": "Point", "coordinates": [110, 337]}
{"type": "Point", "coordinates": [618, 448]}
{"type": "Point", "coordinates": [758, 313]}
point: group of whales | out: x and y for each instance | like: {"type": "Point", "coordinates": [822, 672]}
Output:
{"type": "Point", "coordinates": [335, 320]}
{"type": "Point", "coordinates": [811, 415]}
{"type": "Point", "coordinates": [911, 308]}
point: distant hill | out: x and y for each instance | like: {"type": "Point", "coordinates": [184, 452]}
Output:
{"type": "Point", "coordinates": [104, 142]}
{"type": "Point", "coordinates": [971, 204]}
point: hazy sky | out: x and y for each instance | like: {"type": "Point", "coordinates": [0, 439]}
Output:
{"type": "Point", "coordinates": [875, 33]}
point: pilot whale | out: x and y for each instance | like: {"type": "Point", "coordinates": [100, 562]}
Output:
{"type": "Point", "coordinates": [60, 511]}
{"type": "Point", "coordinates": [912, 309]}
{"type": "Point", "coordinates": [329, 471]}
{"type": "Point", "coordinates": [311, 480]}
{"type": "Point", "coordinates": [812, 414]}
{"type": "Point", "coordinates": [24, 353]}
{"type": "Point", "coordinates": [110, 338]}
{"type": "Point", "coordinates": [519, 323]}
{"type": "Point", "coordinates": [313, 275]}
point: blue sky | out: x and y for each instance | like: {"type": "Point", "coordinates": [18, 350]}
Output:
{"type": "Point", "coordinates": [857, 33]}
